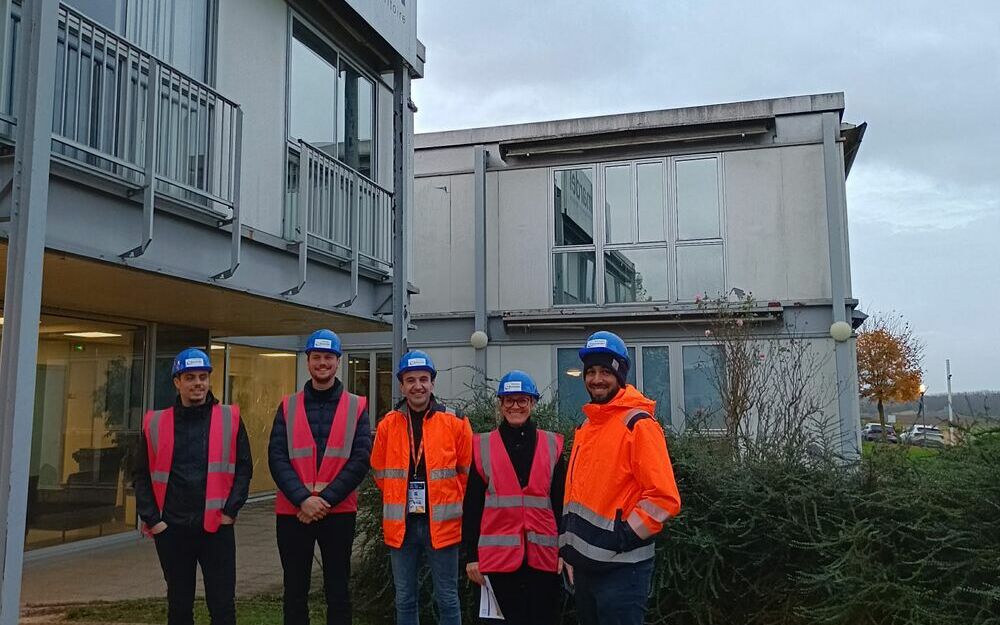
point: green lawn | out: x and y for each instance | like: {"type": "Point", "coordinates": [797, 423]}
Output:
{"type": "Point", "coordinates": [913, 452]}
{"type": "Point", "coordinates": [262, 610]}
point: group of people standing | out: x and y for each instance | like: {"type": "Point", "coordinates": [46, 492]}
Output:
{"type": "Point", "coordinates": [507, 500]}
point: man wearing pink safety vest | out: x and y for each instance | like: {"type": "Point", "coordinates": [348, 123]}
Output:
{"type": "Point", "coordinates": [318, 454]}
{"type": "Point", "coordinates": [192, 476]}
{"type": "Point", "coordinates": [513, 504]}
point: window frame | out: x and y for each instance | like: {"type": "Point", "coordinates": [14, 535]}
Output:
{"type": "Point", "coordinates": [671, 242]}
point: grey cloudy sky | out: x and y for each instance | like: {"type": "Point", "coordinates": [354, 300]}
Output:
{"type": "Point", "coordinates": [924, 193]}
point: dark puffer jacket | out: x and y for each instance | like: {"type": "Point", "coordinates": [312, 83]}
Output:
{"type": "Point", "coordinates": [320, 407]}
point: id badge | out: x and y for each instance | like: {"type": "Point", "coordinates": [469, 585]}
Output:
{"type": "Point", "coordinates": [416, 499]}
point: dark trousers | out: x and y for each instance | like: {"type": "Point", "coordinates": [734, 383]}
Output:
{"type": "Point", "coordinates": [296, 546]}
{"type": "Point", "coordinates": [527, 596]}
{"type": "Point", "coordinates": [181, 550]}
{"type": "Point", "coordinates": [614, 597]}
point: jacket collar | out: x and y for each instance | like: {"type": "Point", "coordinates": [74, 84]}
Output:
{"type": "Point", "coordinates": [432, 407]}
{"type": "Point", "coordinates": [627, 399]}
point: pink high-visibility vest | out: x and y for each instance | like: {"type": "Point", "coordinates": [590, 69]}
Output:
{"type": "Point", "coordinates": [302, 448]}
{"type": "Point", "coordinates": [517, 519]}
{"type": "Point", "coordinates": [158, 427]}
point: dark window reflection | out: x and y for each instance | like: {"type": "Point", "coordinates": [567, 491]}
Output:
{"type": "Point", "coordinates": [574, 207]}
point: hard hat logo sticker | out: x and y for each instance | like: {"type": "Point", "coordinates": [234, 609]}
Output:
{"type": "Point", "coordinates": [323, 343]}
{"type": "Point", "coordinates": [511, 387]}
{"type": "Point", "coordinates": [194, 362]}
{"type": "Point", "coordinates": [416, 362]}
{"type": "Point", "coordinates": [597, 343]}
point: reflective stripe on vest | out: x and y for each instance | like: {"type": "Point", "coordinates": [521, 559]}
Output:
{"type": "Point", "coordinates": [302, 448]}
{"type": "Point", "coordinates": [518, 523]}
{"type": "Point", "coordinates": [223, 429]}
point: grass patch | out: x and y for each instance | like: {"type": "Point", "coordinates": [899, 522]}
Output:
{"type": "Point", "coordinates": [259, 610]}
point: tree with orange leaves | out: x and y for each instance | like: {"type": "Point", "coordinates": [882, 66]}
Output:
{"type": "Point", "coordinates": [888, 361]}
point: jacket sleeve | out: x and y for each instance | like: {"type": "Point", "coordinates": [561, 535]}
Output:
{"type": "Point", "coordinates": [282, 472]}
{"type": "Point", "coordinates": [464, 452]}
{"type": "Point", "coordinates": [145, 503]}
{"type": "Point", "coordinates": [558, 489]}
{"type": "Point", "coordinates": [354, 472]}
{"type": "Point", "coordinates": [378, 454]}
{"type": "Point", "coordinates": [472, 514]}
{"type": "Point", "coordinates": [659, 498]}
{"type": "Point", "coordinates": [244, 473]}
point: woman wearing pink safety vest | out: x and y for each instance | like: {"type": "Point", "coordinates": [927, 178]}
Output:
{"type": "Point", "coordinates": [192, 475]}
{"type": "Point", "coordinates": [512, 506]}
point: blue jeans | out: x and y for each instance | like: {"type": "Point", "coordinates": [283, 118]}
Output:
{"type": "Point", "coordinates": [444, 571]}
{"type": "Point", "coordinates": [614, 597]}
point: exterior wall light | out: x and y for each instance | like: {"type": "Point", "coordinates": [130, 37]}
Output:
{"type": "Point", "coordinates": [479, 339]}
{"type": "Point", "coordinates": [841, 331]}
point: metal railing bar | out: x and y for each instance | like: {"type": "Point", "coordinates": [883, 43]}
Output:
{"type": "Point", "coordinates": [97, 154]}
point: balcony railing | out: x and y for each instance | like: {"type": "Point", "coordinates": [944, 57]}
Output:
{"type": "Point", "coordinates": [121, 110]}
{"type": "Point", "coordinates": [345, 210]}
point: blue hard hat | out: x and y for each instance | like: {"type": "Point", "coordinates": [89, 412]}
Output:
{"type": "Point", "coordinates": [517, 383]}
{"type": "Point", "coordinates": [323, 341]}
{"type": "Point", "coordinates": [415, 360]}
{"type": "Point", "coordinates": [191, 359]}
{"type": "Point", "coordinates": [605, 342]}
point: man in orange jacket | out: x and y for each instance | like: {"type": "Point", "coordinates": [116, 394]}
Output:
{"type": "Point", "coordinates": [620, 490]}
{"type": "Point", "coordinates": [421, 462]}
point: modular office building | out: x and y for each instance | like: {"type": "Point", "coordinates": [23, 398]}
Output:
{"type": "Point", "coordinates": [209, 169]}
{"type": "Point", "coordinates": [539, 234]}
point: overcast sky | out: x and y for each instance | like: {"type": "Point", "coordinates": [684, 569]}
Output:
{"type": "Point", "coordinates": [924, 193]}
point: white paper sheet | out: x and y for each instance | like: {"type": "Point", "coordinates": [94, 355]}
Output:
{"type": "Point", "coordinates": [488, 606]}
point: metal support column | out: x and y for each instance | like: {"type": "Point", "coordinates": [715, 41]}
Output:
{"type": "Point", "coordinates": [480, 158]}
{"type": "Point", "coordinates": [402, 181]}
{"type": "Point", "coordinates": [237, 220]}
{"type": "Point", "coordinates": [23, 290]}
{"type": "Point", "coordinates": [149, 162]}
{"type": "Point", "coordinates": [849, 439]}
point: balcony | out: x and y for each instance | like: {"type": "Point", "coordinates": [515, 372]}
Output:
{"type": "Point", "coordinates": [122, 114]}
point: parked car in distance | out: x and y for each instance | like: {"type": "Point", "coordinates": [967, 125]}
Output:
{"type": "Point", "coordinates": [873, 432]}
{"type": "Point", "coordinates": [924, 436]}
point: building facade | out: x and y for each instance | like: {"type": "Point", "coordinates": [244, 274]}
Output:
{"type": "Point", "coordinates": [539, 234]}
{"type": "Point", "coordinates": [222, 173]}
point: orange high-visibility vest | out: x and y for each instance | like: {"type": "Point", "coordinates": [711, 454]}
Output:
{"type": "Point", "coordinates": [158, 427]}
{"type": "Point", "coordinates": [517, 519]}
{"type": "Point", "coordinates": [619, 473]}
{"type": "Point", "coordinates": [447, 455]}
{"type": "Point", "coordinates": [302, 448]}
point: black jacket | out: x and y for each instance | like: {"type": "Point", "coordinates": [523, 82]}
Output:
{"type": "Point", "coordinates": [184, 503]}
{"type": "Point", "coordinates": [520, 446]}
{"type": "Point", "coordinates": [320, 408]}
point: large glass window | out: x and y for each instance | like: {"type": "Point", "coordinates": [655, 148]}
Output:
{"type": "Point", "coordinates": [618, 204]}
{"type": "Point", "coordinates": [573, 278]}
{"type": "Point", "coordinates": [332, 104]}
{"type": "Point", "coordinates": [312, 91]}
{"type": "Point", "coordinates": [635, 275]}
{"type": "Point", "coordinates": [698, 199]}
{"type": "Point", "coordinates": [355, 120]}
{"type": "Point", "coordinates": [638, 255]}
{"type": "Point", "coordinates": [384, 379]}
{"type": "Point", "coordinates": [574, 207]}
{"type": "Point", "coordinates": [656, 379]}
{"type": "Point", "coordinates": [88, 413]}
{"type": "Point", "coordinates": [699, 271]}
{"type": "Point", "coordinates": [359, 374]}
{"type": "Point", "coordinates": [257, 379]}
{"type": "Point", "coordinates": [702, 397]}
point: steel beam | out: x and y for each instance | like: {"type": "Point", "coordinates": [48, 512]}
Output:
{"type": "Point", "coordinates": [480, 158]}
{"type": "Point", "coordinates": [149, 191]}
{"type": "Point", "coordinates": [849, 439]}
{"type": "Point", "coordinates": [23, 289]}
{"type": "Point", "coordinates": [402, 181]}
{"type": "Point", "coordinates": [237, 221]}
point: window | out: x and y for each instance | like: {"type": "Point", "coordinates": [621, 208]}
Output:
{"type": "Point", "coordinates": [332, 104]}
{"type": "Point", "coordinates": [656, 380]}
{"type": "Point", "coordinates": [629, 243]}
{"type": "Point", "coordinates": [358, 380]}
{"type": "Point", "coordinates": [702, 399]}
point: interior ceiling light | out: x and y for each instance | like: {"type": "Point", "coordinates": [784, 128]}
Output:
{"type": "Point", "coordinates": [279, 355]}
{"type": "Point", "coordinates": [218, 347]}
{"type": "Point", "coordinates": [574, 373]}
{"type": "Point", "coordinates": [92, 335]}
